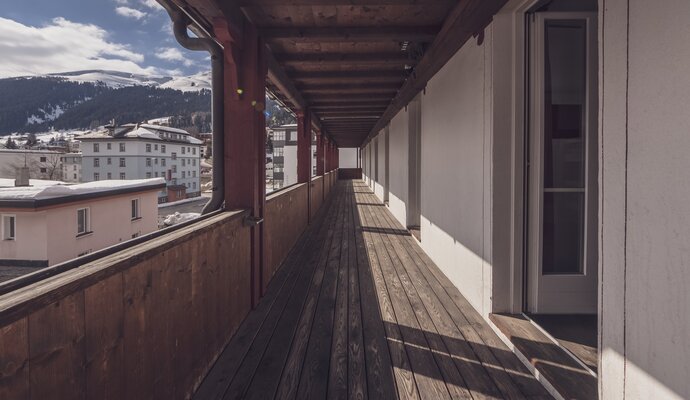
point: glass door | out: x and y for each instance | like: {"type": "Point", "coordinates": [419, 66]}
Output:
{"type": "Point", "coordinates": [562, 275]}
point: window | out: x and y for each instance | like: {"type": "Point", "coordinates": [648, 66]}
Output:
{"type": "Point", "coordinates": [135, 209]}
{"type": "Point", "coordinates": [183, 174]}
{"type": "Point", "coordinates": [43, 159]}
{"type": "Point", "coordinates": [155, 147]}
{"type": "Point", "coordinates": [162, 148]}
{"type": "Point", "coordinates": [155, 174]}
{"type": "Point", "coordinates": [110, 175]}
{"type": "Point", "coordinates": [194, 162]}
{"type": "Point", "coordinates": [183, 149]}
{"type": "Point", "coordinates": [194, 150]}
{"type": "Point", "coordinates": [96, 162]}
{"type": "Point", "coordinates": [174, 168]}
{"type": "Point", "coordinates": [148, 162]}
{"type": "Point", "coordinates": [155, 161]}
{"type": "Point", "coordinates": [148, 175]}
{"type": "Point", "coordinates": [109, 146]}
{"type": "Point", "coordinates": [8, 227]}
{"type": "Point", "coordinates": [44, 170]}
{"type": "Point", "coordinates": [75, 176]}
{"type": "Point", "coordinates": [122, 175]}
{"type": "Point", "coordinates": [83, 221]}
{"type": "Point", "coordinates": [122, 147]}
{"type": "Point", "coordinates": [163, 162]}
{"type": "Point", "coordinates": [194, 174]}
{"type": "Point", "coordinates": [183, 162]}
{"type": "Point", "coordinates": [96, 147]}
{"type": "Point", "coordinates": [279, 136]}
{"type": "Point", "coordinates": [96, 176]}
{"type": "Point", "coordinates": [148, 147]}
{"type": "Point", "coordinates": [109, 161]}
{"type": "Point", "coordinates": [122, 162]}
{"type": "Point", "coordinates": [194, 185]}
{"type": "Point", "coordinates": [173, 155]}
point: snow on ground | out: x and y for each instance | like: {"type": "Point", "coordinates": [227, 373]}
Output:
{"type": "Point", "coordinates": [193, 83]}
{"type": "Point", "coordinates": [57, 190]}
{"type": "Point", "coordinates": [174, 219]}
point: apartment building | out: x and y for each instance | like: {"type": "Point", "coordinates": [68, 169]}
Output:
{"type": "Point", "coordinates": [42, 164]}
{"type": "Point", "coordinates": [71, 167]}
{"type": "Point", "coordinates": [143, 151]}
{"type": "Point", "coordinates": [46, 223]}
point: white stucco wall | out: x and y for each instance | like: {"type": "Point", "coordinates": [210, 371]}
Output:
{"type": "Point", "coordinates": [455, 161]}
{"type": "Point", "coordinates": [645, 230]}
{"type": "Point", "coordinates": [347, 157]}
{"type": "Point", "coordinates": [31, 240]}
{"type": "Point", "coordinates": [380, 182]}
{"type": "Point", "coordinates": [399, 163]}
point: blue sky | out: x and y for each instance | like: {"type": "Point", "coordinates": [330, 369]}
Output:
{"type": "Point", "coordinates": [44, 36]}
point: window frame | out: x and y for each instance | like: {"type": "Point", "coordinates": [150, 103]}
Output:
{"type": "Point", "coordinates": [135, 209]}
{"type": "Point", "coordinates": [13, 229]}
{"type": "Point", "coordinates": [87, 221]}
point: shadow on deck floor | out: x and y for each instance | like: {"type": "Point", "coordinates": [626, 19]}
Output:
{"type": "Point", "coordinates": [359, 311]}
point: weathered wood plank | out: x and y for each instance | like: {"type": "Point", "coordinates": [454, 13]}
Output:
{"type": "Point", "coordinates": [263, 373]}
{"type": "Point", "coordinates": [56, 349]}
{"type": "Point", "coordinates": [104, 323]}
{"type": "Point", "coordinates": [314, 378]}
{"type": "Point", "coordinates": [405, 380]}
{"type": "Point", "coordinates": [14, 360]}
{"type": "Point", "coordinates": [357, 370]}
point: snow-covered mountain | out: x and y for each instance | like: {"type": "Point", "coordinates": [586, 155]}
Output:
{"type": "Point", "coordinates": [116, 79]}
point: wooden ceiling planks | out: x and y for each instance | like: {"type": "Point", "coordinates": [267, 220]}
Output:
{"type": "Point", "coordinates": [355, 58]}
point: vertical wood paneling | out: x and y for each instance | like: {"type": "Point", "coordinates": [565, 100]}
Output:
{"type": "Point", "coordinates": [104, 327]}
{"type": "Point", "coordinates": [57, 351]}
{"type": "Point", "coordinates": [14, 360]}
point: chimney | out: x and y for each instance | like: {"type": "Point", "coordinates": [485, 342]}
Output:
{"type": "Point", "coordinates": [22, 177]}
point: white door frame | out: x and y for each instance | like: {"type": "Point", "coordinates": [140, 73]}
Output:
{"type": "Point", "coordinates": [563, 293]}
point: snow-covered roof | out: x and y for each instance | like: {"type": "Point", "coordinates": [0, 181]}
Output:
{"type": "Point", "coordinates": [143, 133]}
{"type": "Point", "coordinates": [9, 182]}
{"type": "Point", "coordinates": [165, 128]}
{"type": "Point", "coordinates": [15, 196]}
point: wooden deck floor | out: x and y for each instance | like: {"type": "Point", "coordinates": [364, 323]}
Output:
{"type": "Point", "coordinates": [359, 311]}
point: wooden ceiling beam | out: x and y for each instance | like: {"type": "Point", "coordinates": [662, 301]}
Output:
{"type": "Point", "coordinates": [397, 75]}
{"type": "Point", "coordinates": [345, 106]}
{"type": "Point", "coordinates": [346, 87]}
{"type": "Point", "coordinates": [261, 3]}
{"type": "Point", "coordinates": [353, 34]}
{"type": "Point", "coordinates": [346, 98]}
{"type": "Point", "coordinates": [297, 59]}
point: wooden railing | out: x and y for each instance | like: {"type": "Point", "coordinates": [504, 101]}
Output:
{"type": "Point", "coordinates": [149, 320]}
{"type": "Point", "coordinates": [286, 217]}
{"type": "Point", "coordinates": [145, 322]}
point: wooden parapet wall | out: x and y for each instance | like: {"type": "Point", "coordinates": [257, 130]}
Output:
{"type": "Point", "coordinates": [350, 173]}
{"type": "Point", "coordinates": [145, 322]}
{"type": "Point", "coordinates": [286, 217]}
{"type": "Point", "coordinates": [316, 194]}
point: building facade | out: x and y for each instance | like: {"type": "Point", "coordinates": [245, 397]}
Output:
{"type": "Point", "coordinates": [284, 156]}
{"type": "Point", "coordinates": [48, 224]}
{"type": "Point", "coordinates": [42, 164]}
{"type": "Point", "coordinates": [71, 167]}
{"type": "Point", "coordinates": [144, 151]}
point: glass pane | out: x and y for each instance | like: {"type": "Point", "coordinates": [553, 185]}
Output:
{"type": "Point", "coordinates": [563, 220]}
{"type": "Point", "coordinates": [565, 68]}
{"type": "Point", "coordinates": [80, 221]}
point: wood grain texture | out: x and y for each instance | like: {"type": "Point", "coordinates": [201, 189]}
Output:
{"type": "Point", "coordinates": [147, 322]}
{"type": "Point", "coordinates": [14, 360]}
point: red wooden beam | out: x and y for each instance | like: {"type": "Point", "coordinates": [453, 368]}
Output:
{"type": "Point", "coordinates": [245, 135]}
{"type": "Point", "coordinates": [320, 153]}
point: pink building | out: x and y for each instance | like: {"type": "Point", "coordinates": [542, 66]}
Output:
{"type": "Point", "coordinates": [45, 224]}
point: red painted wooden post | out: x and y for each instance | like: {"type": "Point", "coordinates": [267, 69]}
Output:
{"type": "Point", "coordinates": [244, 94]}
{"type": "Point", "coordinates": [304, 153]}
{"type": "Point", "coordinates": [320, 153]}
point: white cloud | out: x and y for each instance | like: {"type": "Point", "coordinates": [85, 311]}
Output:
{"type": "Point", "coordinates": [174, 55]}
{"type": "Point", "coordinates": [152, 4]}
{"type": "Point", "coordinates": [122, 2]}
{"type": "Point", "coordinates": [129, 12]}
{"type": "Point", "coordinates": [63, 46]}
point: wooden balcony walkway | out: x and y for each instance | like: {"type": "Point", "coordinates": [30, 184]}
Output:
{"type": "Point", "coordinates": [359, 311]}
